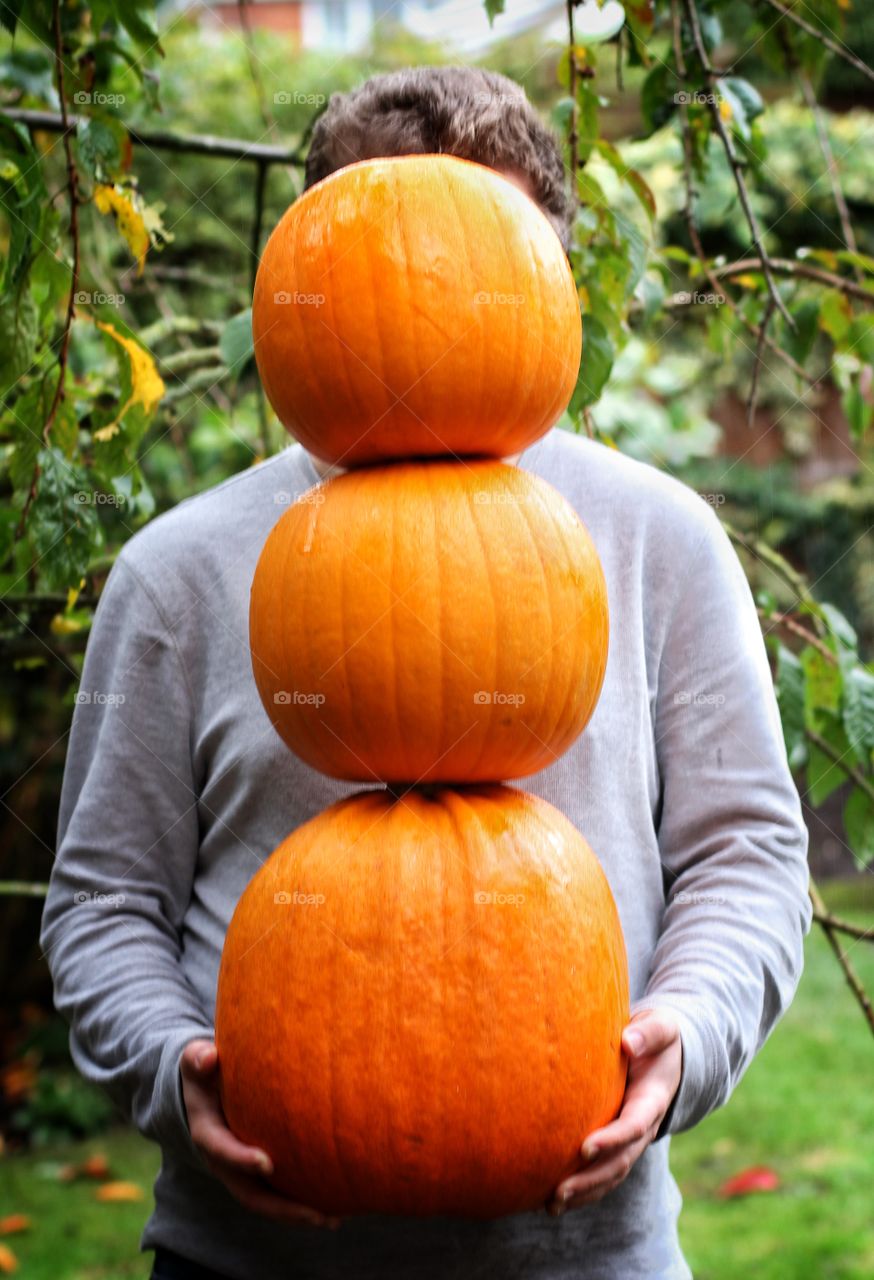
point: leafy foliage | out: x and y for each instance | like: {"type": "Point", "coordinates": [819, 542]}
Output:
{"type": "Point", "coordinates": [126, 372]}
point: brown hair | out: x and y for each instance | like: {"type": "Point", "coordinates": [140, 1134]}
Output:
{"type": "Point", "coordinates": [461, 111]}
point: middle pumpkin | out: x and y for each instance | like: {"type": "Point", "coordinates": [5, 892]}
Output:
{"type": "Point", "coordinates": [429, 622]}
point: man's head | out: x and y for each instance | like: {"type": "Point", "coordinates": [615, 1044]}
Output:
{"type": "Point", "coordinates": [460, 111]}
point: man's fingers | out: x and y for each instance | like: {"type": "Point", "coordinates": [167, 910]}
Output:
{"type": "Point", "coordinates": [220, 1146]}
{"type": "Point", "coordinates": [259, 1199]}
{"type": "Point", "coordinates": [602, 1177]}
{"type": "Point", "coordinates": [648, 1033]}
{"type": "Point", "coordinates": [639, 1118]}
{"type": "Point", "coordinates": [199, 1060]}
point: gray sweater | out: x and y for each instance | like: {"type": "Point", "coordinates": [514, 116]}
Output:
{"type": "Point", "coordinates": [177, 788]}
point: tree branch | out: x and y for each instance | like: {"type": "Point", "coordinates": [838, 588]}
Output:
{"type": "Point", "coordinates": [689, 213]}
{"type": "Point", "coordinates": [839, 50]}
{"type": "Point", "coordinates": [850, 974]}
{"type": "Point", "coordinates": [734, 160]}
{"type": "Point", "coordinates": [857, 931]}
{"type": "Point", "coordinates": [801, 270]}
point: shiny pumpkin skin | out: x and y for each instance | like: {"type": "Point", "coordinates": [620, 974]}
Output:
{"type": "Point", "coordinates": [430, 1022]}
{"type": "Point", "coordinates": [415, 306]}
{"type": "Point", "coordinates": [389, 601]}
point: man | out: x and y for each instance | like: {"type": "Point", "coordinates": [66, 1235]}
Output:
{"type": "Point", "coordinates": [174, 795]}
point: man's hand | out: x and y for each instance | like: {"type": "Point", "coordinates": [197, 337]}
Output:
{"type": "Point", "coordinates": [652, 1042]}
{"type": "Point", "coordinates": [242, 1169]}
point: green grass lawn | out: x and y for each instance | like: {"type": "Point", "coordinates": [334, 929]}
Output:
{"type": "Point", "coordinates": [806, 1108]}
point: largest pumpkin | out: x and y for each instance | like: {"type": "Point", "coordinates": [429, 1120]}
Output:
{"type": "Point", "coordinates": [416, 305]}
{"type": "Point", "coordinates": [420, 1004]}
{"type": "Point", "coordinates": [429, 622]}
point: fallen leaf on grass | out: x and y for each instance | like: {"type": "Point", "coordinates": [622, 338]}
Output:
{"type": "Point", "coordinates": [8, 1261]}
{"type": "Point", "coordinates": [119, 1192]}
{"type": "Point", "coordinates": [96, 1166]}
{"type": "Point", "coordinates": [14, 1223]}
{"type": "Point", "coordinates": [758, 1178]}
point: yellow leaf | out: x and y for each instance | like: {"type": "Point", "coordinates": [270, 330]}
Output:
{"type": "Point", "coordinates": [725, 109]}
{"type": "Point", "coordinates": [119, 1192]}
{"type": "Point", "coordinates": [8, 1261]}
{"type": "Point", "coordinates": [747, 281]}
{"type": "Point", "coordinates": [128, 219]}
{"type": "Point", "coordinates": [73, 593]}
{"type": "Point", "coordinates": [61, 626]}
{"type": "Point", "coordinates": [147, 385]}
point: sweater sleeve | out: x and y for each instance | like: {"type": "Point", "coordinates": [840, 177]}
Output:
{"type": "Point", "coordinates": [125, 863]}
{"type": "Point", "coordinates": [731, 836]}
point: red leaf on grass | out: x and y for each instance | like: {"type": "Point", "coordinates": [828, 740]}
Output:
{"type": "Point", "coordinates": [14, 1223]}
{"type": "Point", "coordinates": [759, 1178]}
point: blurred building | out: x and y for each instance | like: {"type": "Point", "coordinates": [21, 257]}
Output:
{"type": "Point", "coordinates": [348, 26]}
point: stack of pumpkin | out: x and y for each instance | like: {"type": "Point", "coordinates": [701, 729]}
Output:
{"type": "Point", "coordinates": [423, 989]}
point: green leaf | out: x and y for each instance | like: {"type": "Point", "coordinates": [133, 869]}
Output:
{"type": "Point", "coordinates": [658, 97]}
{"type": "Point", "coordinates": [824, 776]}
{"type": "Point", "coordinates": [10, 11]}
{"type": "Point", "coordinates": [859, 713]}
{"type": "Point", "coordinates": [634, 180]}
{"type": "Point", "coordinates": [822, 687]}
{"type": "Point", "coordinates": [587, 120]}
{"type": "Point", "coordinates": [63, 525]}
{"type": "Point", "coordinates": [18, 335]}
{"type": "Point", "coordinates": [835, 315]}
{"type": "Point", "coordinates": [101, 141]}
{"type": "Point", "coordinates": [595, 364]}
{"type": "Point", "coordinates": [790, 700]}
{"type": "Point", "coordinates": [799, 341]}
{"type": "Point", "coordinates": [841, 629]}
{"type": "Point", "coordinates": [493, 9]}
{"type": "Point", "coordinates": [236, 343]}
{"type": "Point", "coordinates": [748, 96]}
{"type": "Point", "coordinates": [859, 826]}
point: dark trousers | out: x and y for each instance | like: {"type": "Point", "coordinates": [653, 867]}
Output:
{"type": "Point", "coordinates": [169, 1266]}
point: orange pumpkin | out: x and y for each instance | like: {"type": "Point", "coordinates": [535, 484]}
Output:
{"type": "Point", "coordinates": [427, 622]}
{"type": "Point", "coordinates": [413, 306]}
{"type": "Point", "coordinates": [420, 1004]}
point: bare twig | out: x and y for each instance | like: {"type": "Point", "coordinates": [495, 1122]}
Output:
{"type": "Point", "coordinates": [689, 214]}
{"type": "Point", "coordinates": [257, 83]}
{"type": "Point", "coordinates": [831, 164]}
{"type": "Point", "coordinates": [573, 125]}
{"type": "Point", "coordinates": [849, 972]}
{"type": "Point", "coordinates": [798, 629]}
{"type": "Point", "coordinates": [73, 196]}
{"type": "Point", "coordinates": [757, 363]}
{"type": "Point", "coordinates": [196, 144]}
{"type": "Point", "coordinates": [802, 270]}
{"type": "Point", "coordinates": [734, 160]}
{"type": "Point", "coordinates": [775, 561]}
{"type": "Point", "coordinates": [839, 50]}
{"type": "Point", "coordinates": [22, 889]}
{"type": "Point", "coordinates": [857, 931]}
